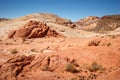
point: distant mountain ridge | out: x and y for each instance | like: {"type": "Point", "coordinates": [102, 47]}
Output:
{"type": "Point", "coordinates": [3, 19]}
{"type": "Point", "coordinates": [103, 24]}
{"type": "Point", "coordinates": [92, 23]}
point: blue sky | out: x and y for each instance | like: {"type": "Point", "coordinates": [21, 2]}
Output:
{"type": "Point", "coordinates": [71, 9]}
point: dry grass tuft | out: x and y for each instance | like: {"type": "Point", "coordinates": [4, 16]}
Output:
{"type": "Point", "coordinates": [13, 51]}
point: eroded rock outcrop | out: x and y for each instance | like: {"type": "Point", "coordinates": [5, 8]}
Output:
{"type": "Point", "coordinates": [99, 42]}
{"type": "Point", "coordinates": [33, 29]}
{"type": "Point", "coordinates": [14, 66]}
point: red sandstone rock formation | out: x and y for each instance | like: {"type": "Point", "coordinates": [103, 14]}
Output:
{"type": "Point", "coordinates": [33, 29]}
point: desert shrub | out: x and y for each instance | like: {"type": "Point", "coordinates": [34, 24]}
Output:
{"type": "Point", "coordinates": [113, 36]}
{"type": "Point", "coordinates": [94, 43]}
{"type": "Point", "coordinates": [13, 51]}
{"type": "Point", "coordinates": [92, 76]}
{"type": "Point", "coordinates": [82, 78]}
{"type": "Point", "coordinates": [33, 50]}
{"type": "Point", "coordinates": [62, 30]}
{"type": "Point", "coordinates": [75, 64]}
{"type": "Point", "coordinates": [47, 68]}
{"type": "Point", "coordinates": [94, 67]}
{"type": "Point", "coordinates": [23, 39]}
{"type": "Point", "coordinates": [75, 78]}
{"type": "Point", "coordinates": [102, 36]}
{"type": "Point", "coordinates": [118, 48]}
{"type": "Point", "coordinates": [71, 68]}
{"type": "Point", "coordinates": [108, 44]}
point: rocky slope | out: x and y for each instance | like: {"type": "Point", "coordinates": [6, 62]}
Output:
{"type": "Point", "coordinates": [103, 24]}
